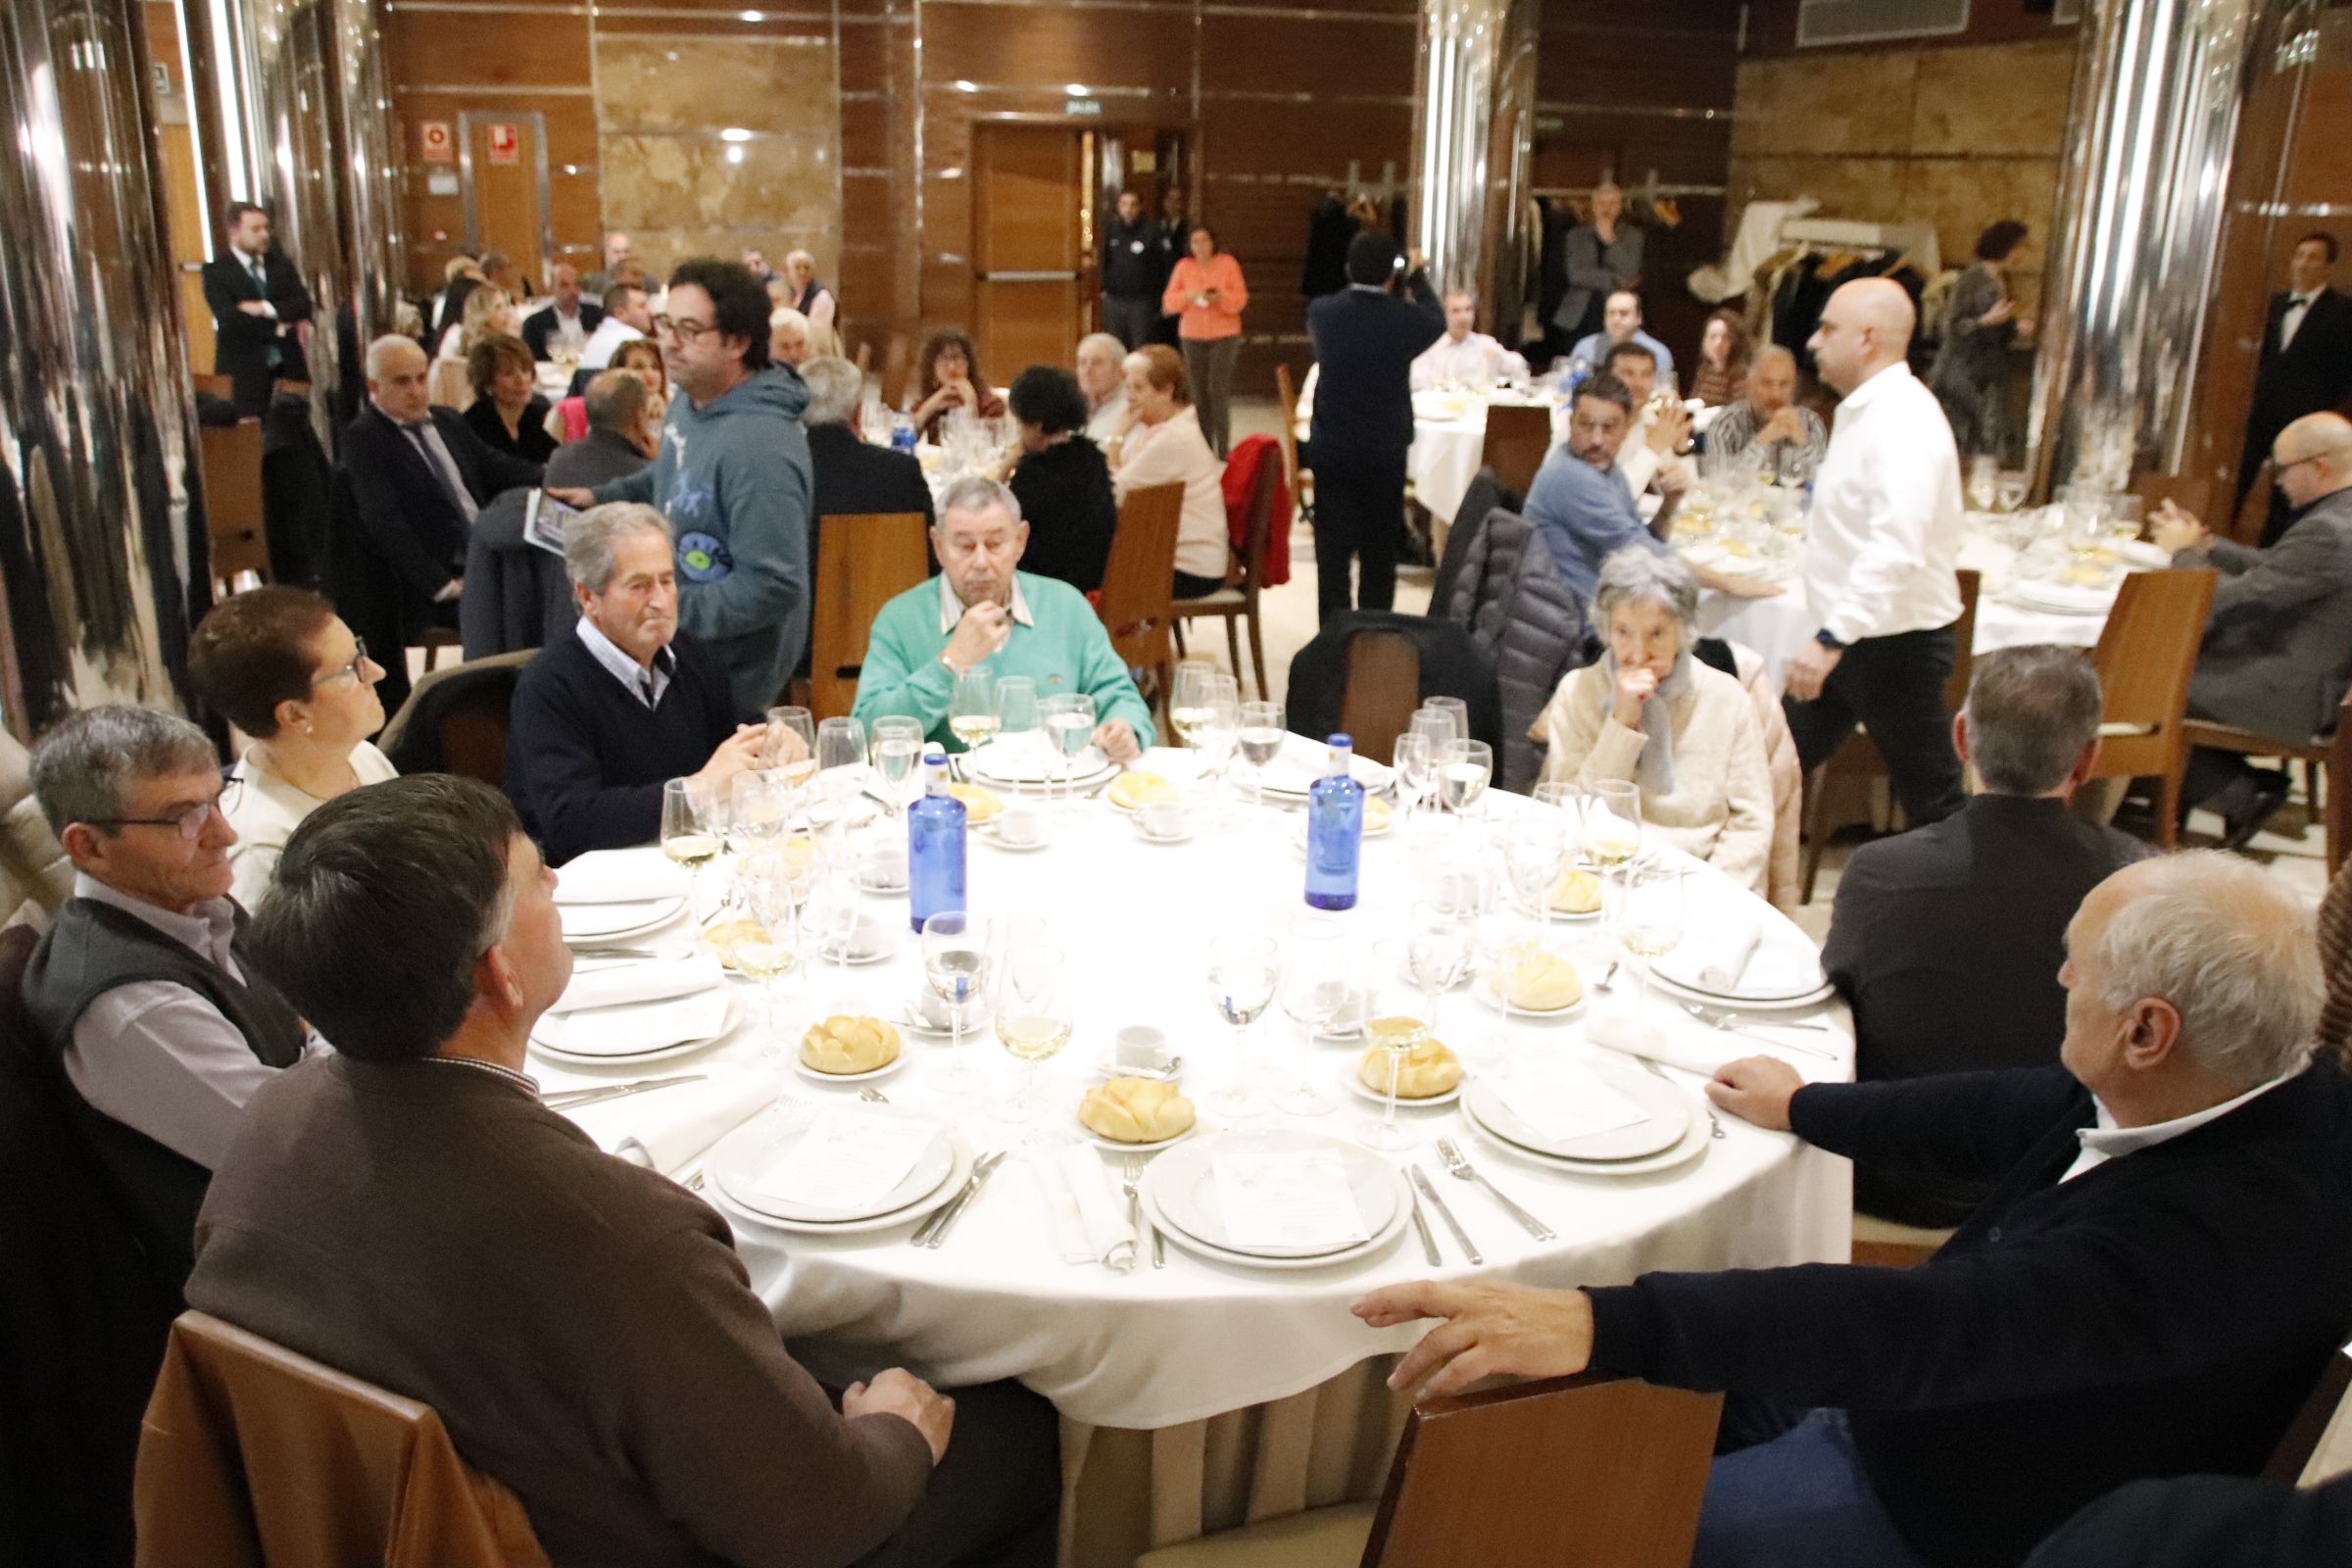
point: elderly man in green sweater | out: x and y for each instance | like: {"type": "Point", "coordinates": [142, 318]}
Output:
{"type": "Point", "coordinates": [982, 610]}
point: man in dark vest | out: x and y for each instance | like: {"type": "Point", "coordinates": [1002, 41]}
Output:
{"type": "Point", "coordinates": [140, 992]}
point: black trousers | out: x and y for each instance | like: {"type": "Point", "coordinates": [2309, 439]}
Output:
{"type": "Point", "coordinates": [1131, 322]}
{"type": "Point", "coordinates": [994, 1502]}
{"type": "Point", "coordinates": [1359, 516]}
{"type": "Point", "coordinates": [1893, 688]}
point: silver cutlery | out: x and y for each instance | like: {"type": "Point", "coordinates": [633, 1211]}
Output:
{"type": "Point", "coordinates": [1658, 1072]}
{"type": "Point", "coordinates": [1133, 1172]}
{"type": "Point", "coordinates": [693, 1183]}
{"type": "Point", "coordinates": [1469, 1249]}
{"type": "Point", "coordinates": [1733, 1023]}
{"type": "Point", "coordinates": [1459, 1167]}
{"type": "Point", "coordinates": [574, 1099]}
{"type": "Point", "coordinates": [935, 1230]}
{"type": "Point", "coordinates": [1167, 1073]}
{"type": "Point", "coordinates": [873, 1096]}
{"type": "Point", "coordinates": [586, 953]}
{"type": "Point", "coordinates": [1429, 1241]}
{"type": "Point", "coordinates": [1607, 975]}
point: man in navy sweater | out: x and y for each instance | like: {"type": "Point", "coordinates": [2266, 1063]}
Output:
{"type": "Point", "coordinates": [604, 717]}
{"type": "Point", "coordinates": [2152, 1289]}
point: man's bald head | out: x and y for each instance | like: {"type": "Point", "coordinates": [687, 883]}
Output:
{"type": "Point", "coordinates": [1864, 328]}
{"type": "Point", "coordinates": [397, 378]}
{"type": "Point", "coordinates": [2312, 457]}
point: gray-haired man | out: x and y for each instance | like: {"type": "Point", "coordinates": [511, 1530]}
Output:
{"type": "Point", "coordinates": [604, 717]}
{"type": "Point", "coordinates": [140, 991]}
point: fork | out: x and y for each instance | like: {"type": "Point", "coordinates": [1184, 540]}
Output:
{"type": "Point", "coordinates": [873, 1096]}
{"type": "Point", "coordinates": [1131, 1171]}
{"type": "Point", "coordinates": [1459, 1167]}
{"type": "Point", "coordinates": [1659, 1073]}
{"type": "Point", "coordinates": [1733, 1023]}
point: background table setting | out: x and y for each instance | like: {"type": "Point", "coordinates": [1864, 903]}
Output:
{"type": "Point", "coordinates": [1180, 1120]}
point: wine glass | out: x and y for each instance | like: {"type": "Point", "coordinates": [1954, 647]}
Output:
{"type": "Point", "coordinates": [1396, 1022]}
{"type": "Point", "coordinates": [1435, 728]}
{"type": "Point", "coordinates": [1651, 923]}
{"type": "Point", "coordinates": [2010, 488]}
{"type": "Point", "coordinates": [1464, 770]}
{"type": "Point", "coordinates": [898, 746]}
{"type": "Point", "coordinates": [1437, 950]}
{"type": "Point", "coordinates": [1983, 481]}
{"type": "Point", "coordinates": [1242, 971]}
{"type": "Point", "coordinates": [1411, 755]}
{"type": "Point", "coordinates": [1261, 738]}
{"type": "Point", "coordinates": [972, 707]}
{"type": "Point", "coordinates": [1217, 727]}
{"type": "Point", "coordinates": [1185, 696]}
{"type": "Point", "coordinates": [1070, 726]}
{"type": "Point", "coordinates": [758, 803]}
{"type": "Point", "coordinates": [831, 915]}
{"type": "Point", "coordinates": [1533, 852]}
{"type": "Point", "coordinates": [1501, 941]}
{"type": "Point", "coordinates": [797, 769]}
{"type": "Point", "coordinates": [840, 751]}
{"type": "Point", "coordinates": [1456, 711]}
{"type": "Point", "coordinates": [689, 836]}
{"type": "Point", "coordinates": [1035, 1018]}
{"type": "Point", "coordinates": [1017, 717]}
{"type": "Point", "coordinates": [1613, 824]}
{"type": "Point", "coordinates": [1314, 988]}
{"type": "Point", "coordinates": [766, 952]}
{"type": "Point", "coordinates": [955, 965]}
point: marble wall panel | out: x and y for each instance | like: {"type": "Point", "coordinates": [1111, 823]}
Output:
{"type": "Point", "coordinates": [684, 187]}
{"type": "Point", "coordinates": [653, 84]}
{"type": "Point", "coordinates": [1836, 103]}
{"type": "Point", "coordinates": [1864, 189]}
{"type": "Point", "coordinates": [2008, 98]}
{"type": "Point", "coordinates": [1962, 196]}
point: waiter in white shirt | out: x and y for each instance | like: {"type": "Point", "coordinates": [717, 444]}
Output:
{"type": "Point", "coordinates": [1881, 553]}
{"type": "Point", "coordinates": [1464, 357]}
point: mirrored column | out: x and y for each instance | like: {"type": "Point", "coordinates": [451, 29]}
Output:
{"type": "Point", "coordinates": [1473, 133]}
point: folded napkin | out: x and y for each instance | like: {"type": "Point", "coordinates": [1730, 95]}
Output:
{"type": "Point", "coordinates": [654, 981]}
{"type": "Point", "coordinates": [1301, 761]}
{"type": "Point", "coordinates": [636, 1027]}
{"type": "Point", "coordinates": [670, 1129]}
{"type": "Point", "coordinates": [1669, 1035]}
{"type": "Point", "coordinates": [1717, 958]}
{"type": "Point", "coordinates": [1088, 1215]}
{"type": "Point", "coordinates": [619, 876]}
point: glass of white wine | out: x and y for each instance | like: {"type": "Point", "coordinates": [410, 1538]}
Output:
{"type": "Point", "coordinates": [1242, 973]}
{"type": "Point", "coordinates": [1651, 924]}
{"type": "Point", "coordinates": [1070, 725]}
{"type": "Point", "coordinates": [764, 951]}
{"type": "Point", "coordinates": [1397, 1022]}
{"type": "Point", "coordinates": [1260, 741]}
{"type": "Point", "coordinates": [896, 747]}
{"type": "Point", "coordinates": [689, 835]}
{"type": "Point", "coordinates": [955, 964]}
{"type": "Point", "coordinates": [972, 707]}
{"type": "Point", "coordinates": [1034, 1021]}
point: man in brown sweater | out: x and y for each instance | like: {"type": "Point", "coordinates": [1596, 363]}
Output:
{"type": "Point", "coordinates": [411, 1213]}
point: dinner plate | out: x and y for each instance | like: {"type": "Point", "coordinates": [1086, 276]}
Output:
{"type": "Point", "coordinates": [1036, 766]}
{"type": "Point", "coordinates": [1380, 1097]}
{"type": "Point", "coordinates": [769, 1137]}
{"type": "Point", "coordinates": [1486, 993]}
{"type": "Point", "coordinates": [1709, 998]}
{"type": "Point", "coordinates": [1183, 1187]}
{"type": "Point", "coordinates": [1668, 1109]}
{"type": "Point", "coordinates": [1692, 1146]}
{"type": "Point", "coordinates": [921, 1208]}
{"type": "Point", "coordinates": [1781, 959]}
{"type": "Point", "coordinates": [1399, 1195]}
{"type": "Point", "coordinates": [683, 1047]}
{"type": "Point", "coordinates": [607, 922]}
{"type": "Point", "coordinates": [869, 1076]}
{"type": "Point", "coordinates": [550, 1029]}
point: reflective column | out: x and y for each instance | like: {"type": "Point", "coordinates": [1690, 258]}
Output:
{"type": "Point", "coordinates": [102, 550]}
{"type": "Point", "coordinates": [1472, 135]}
{"type": "Point", "coordinates": [2159, 91]}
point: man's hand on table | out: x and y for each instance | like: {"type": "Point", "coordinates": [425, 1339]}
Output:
{"type": "Point", "coordinates": [1810, 668]}
{"type": "Point", "coordinates": [899, 1393]}
{"type": "Point", "coordinates": [978, 635]}
{"type": "Point", "coordinates": [740, 753]}
{"type": "Point", "coordinates": [1757, 1089]}
{"type": "Point", "coordinates": [1489, 1329]}
{"type": "Point", "coordinates": [1116, 738]}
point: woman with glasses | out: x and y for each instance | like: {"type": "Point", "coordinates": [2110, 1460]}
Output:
{"type": "Point", "coordinates": [280, 665]}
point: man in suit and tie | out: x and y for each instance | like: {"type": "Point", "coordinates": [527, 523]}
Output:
{"type": "Point", "coordinates": [565, 321]}
{"type": "Point", "coordinates": [261, 312]}
{"type": "Point", "coordinates": [412, 480]}
{"type": "Point", "coordinates": [2306, 364]}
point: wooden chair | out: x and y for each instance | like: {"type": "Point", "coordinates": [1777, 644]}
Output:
{"type": "Point", "coordinates": [220, 386]}
{"type": "Point", "coordinates": [1139, 584]}
{"type": "Point", "coordinates": [1584, 1472]}
{"type": "Point", "coordinates": [1235, 604]}
{"type": "Point", "coordinates": [1858, 760]}
{"type": "Point", "coordinates": [2146, 653]}
{"type": "Point", "coordinates": [232, 501]}
{"type": "Point", "coordinates": [1301, 484]}
{"type": "Point", "coordinates": [864, 560]}
{"type": "Point", "coordinates": [1885, 1244]}
{"type": "Point", "coordinates": [1384, 688]}
{"type": "Point", "coordinates": [2317, 1444]}
{"type": "Point", "coordinates": [454, 720]}
{"type": "Point", "coordinates": [1518, 440]}
{"type": "Point", "coordinates": [250, 1453]}
{"type": "Point", "coordinates": [2327, 761]}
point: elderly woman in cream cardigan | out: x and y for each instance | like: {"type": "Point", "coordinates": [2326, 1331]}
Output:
{"type": "Point", "coordinates": [1652, 714]}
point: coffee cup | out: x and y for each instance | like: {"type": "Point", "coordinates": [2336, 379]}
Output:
{"type": "Point", "coordinates": [1021, 825]}
{"type": "Point", "coordinates": [1140, 1046]}
{"type": "Point", "coordinates": [1165, 820]}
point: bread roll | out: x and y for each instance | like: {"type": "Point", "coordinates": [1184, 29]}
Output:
{"type": "Point", "coordinates": [719, 940]}
{"type": "Point", "coordinates": [979, 802]}
{"type": "Point", "coordinates": [1135, 1110]}
{"type": "Point", "coordinates": [1543, 983]}
{"type": "Point", "coordinates": [846, 1045]}
{"type": "Point", "coordinates": [1576, 893]}
{"type": "Point", "coordinates": [1428, 1070]}
{"type": "Point", "coordinates": [1377, 814]}
{"type": "Point", "coordinates": [1131, 789]}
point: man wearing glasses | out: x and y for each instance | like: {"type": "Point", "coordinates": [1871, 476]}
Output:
{"type": "Point", "coordinates": [732, 476]}
{"type": "Point", "coordinates": [2275, 657]}
{"type": "Point", "coordinates": [140, 991]}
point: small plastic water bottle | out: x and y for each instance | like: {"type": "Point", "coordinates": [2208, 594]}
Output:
{"type": "Point", "coordinates": [934, 845]}
{"type": "Point", "coordinates": [1335, 831]}
{"type": "Point", "coordinates": [901, 433]}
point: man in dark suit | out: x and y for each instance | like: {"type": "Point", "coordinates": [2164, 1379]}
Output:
{"type": "Point", "coordinates": [412, 480]}
{"type": "Point", "coordinates": [2208, 1521]}
{"type": "Point", "coordinates": [2306, 363]}
{"type": "Point", "coordinates": [853, 476]}
{"type": "Point", "coordinates": [261, 312]}
{"type": "Point", "coordinates": [1946, 940]}
{"type": "Point", "coordinates": [2152, 1289]}
{"type": "Point", "coordinates": [565, 321]}
{"type": "Point", "coordinates": [1366, 340]}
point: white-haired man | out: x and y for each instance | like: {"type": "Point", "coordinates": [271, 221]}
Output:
{"type": "Point", "coordinates": [1102, 377]}
{"type": "Point", "coordinates": [1464, 356]}
{"type": "Point", "coordinates": [2152, 1289]}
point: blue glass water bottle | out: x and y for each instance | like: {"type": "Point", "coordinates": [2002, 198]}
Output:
{"type": "Point", "coordinates": [903, 434]}
{"type": "Point", "coordinates": [934, 844]}
{"type": "Point", "coordinates": [1335, 831]}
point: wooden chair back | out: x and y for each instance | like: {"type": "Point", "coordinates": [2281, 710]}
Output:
{"type": "Point", "coordinates": [2318, 1445]}
{"type": "Point", "coordinates": [1287, 394]}
{"type": "Point", "coordinates": [1486, 1477]}
{"type": "Point", "coordinates": [2145, 657]}
{"type": "Point", "coordinates": [1384, 688]}
{"type": "Point", "coordinates": [2254, 513]}
{"type": "Point", "coordinates": [232, 499]}
{"type": "Point", "coordinates": [1964, 641]}
{"type": "Point", "coordinates": [220, 386]}
{"type": "Point", "coordinates": [1518, 440]}
{"type": "Point", "coordinates": [1139, 582]}
{"type": "Point", "coordinates": [864, 560]}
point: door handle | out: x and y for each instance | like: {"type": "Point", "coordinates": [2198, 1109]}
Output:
{"type": "Point", "coordinates": [1069, 277]}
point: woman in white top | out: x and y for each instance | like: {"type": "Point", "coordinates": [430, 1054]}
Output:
{"type": "Point", "coordinates": [280, 665]}
{"type": "Point", "coordinates": [1163, 445]}
{"type": "Point", "coordinates": [1650, 713]}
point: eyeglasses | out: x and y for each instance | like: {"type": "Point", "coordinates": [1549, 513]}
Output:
{"type": "Point", "coordinates": [685, 331]}
{"type": "Point", "coordinates": [190, 819]}
{"type": "Point", "coordinates": [351, 669]}
{"type": "Point", "coordinates": [2320, 456]}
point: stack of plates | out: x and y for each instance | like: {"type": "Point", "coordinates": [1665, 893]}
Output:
{"type": "Point", "coordinates": [1029, 764]}
{"type": "Point", "coordinates": [1668, 1137]}
{"type": "Point", "coordinates": [1785, 972]}
{"type": "Point", "coordinates": [1301, 761]}
{"type": "Point", "coordinates": [654, 1031]}
{"type": "Point", "coordinates": [758, 1146]}
{"type": "Point", "coordinates": [613, 893]}
{"type": "Point", "coordinates": [1179, 1192]}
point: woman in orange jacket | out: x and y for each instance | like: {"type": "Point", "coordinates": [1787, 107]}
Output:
{"type": "Point", "coordinates": [1207, 292]}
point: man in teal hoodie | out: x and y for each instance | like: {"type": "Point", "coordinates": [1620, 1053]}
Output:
{"type": "Point", "coordinates": [733, 478]}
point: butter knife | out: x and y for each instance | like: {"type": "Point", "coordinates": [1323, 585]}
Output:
{"type": "Point", "coordinates": [1462, 1236]}
{"type": "Point", "coordinates": [1429, 1241]}
{"type": "Point", "coordinates": [935, 1231]}
{"type": "Point", "coordinates": [574, 1099]}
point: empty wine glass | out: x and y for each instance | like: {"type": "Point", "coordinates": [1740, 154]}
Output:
{"type": "Point", "coordinates": [1314, 988]}
{"type": "Point", "coordinates": [1412, 757]}
{"type": "Point", "coordinates": [1435, 728]}
{"type": "Point", "coordinates": [972, 707]}
{"type": "Point", "coordinates": [689, 834]}
{"type": "Point", "coordinates": [833, 912]}
{"type": "Point", "coordinates": [1534, 848]}
{"type": "Point", "coordinates": [1217, 727]}
{"type": "Point", "coordinates": [758, 805]}
{"type": "Point", "coordinates": [1242, 971]}
{"type": "Point", "coordinates": [1501, 941]}
{"type": "Point", "coordinates": [1018, 719]}
{"type": "Point", "coordinates": [796, 764]}
{"type": "Point", "coordinates": [955, 965]}
{"type": "Point", "coordinates": [1465, 769]}
{"type": "Point", "coordinates": [840, 753]}
{"type": "Point", "coordinates": [1456, 711]}
{"type": "Point", "coordinates": [898, 746]}
{"type": "Point", "coordinates": [1397, 1022]}
{"type": "Point", "coordinates": [1070, 726]}
{"type": "Point", "coordinates": [766, 950]}
{"type": "Point", "coordinates": [1651, 923]}
{"type": "Point", "coordinates": [1437, 950]}
{"type": "Point", "coordinates": [1261, 738]}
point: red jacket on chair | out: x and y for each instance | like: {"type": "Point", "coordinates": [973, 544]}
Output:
{"type": "Point", "coordinates": [1240, 479]}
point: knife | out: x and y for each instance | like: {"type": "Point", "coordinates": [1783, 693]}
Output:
{"type": "Point", "coordinates": [1444, 1213]}
{"type": "Point", "coordinates": [935, 1230]}
{"type": "Point", "coordinates": [574, 1099]}
{"type": "Point", "coordinates": [1429, 1241]}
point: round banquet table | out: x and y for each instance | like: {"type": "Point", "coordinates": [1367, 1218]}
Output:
{"type": "Point", "coordinates": [1149, 1368]}
{"type": "Point", "coordinates": [1449, 440]}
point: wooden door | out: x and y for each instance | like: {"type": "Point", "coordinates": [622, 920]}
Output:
{"type": "Point", "coordinates": [1027, 253]}
{"type": "Point", "coordinates": [501, 157]}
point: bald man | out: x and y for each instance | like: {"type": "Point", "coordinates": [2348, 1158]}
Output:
{"type": "Point", "coordinates": [1881, 553]}
{"type": "Point", "coordinates": [1776, 435]}
{"type": "Point", "coordinates": [2278, 651]}
{"type": "Point", "coordinates": [565, 321]}
{"type": "Point", "coordinates": [2151, 1290]}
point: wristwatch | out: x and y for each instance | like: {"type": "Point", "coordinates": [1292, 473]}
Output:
{"type": "Point", "coordinates": [1827, 638]}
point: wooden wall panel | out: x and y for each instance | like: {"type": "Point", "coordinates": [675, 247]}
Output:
{"type": "Point", "coordinates": [1330, 59]}
{"type": "Point", "coordinates": [990, 44]}
{"type": "Point", "coordinates": [492, 48]}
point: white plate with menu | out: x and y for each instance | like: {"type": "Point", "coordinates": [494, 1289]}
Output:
{"type": "Point", "coordinates": [1693, 1145]}
{"type": "Point", "coordinates": [1667, 1119]}
{"type": "Point", "coordinates": [737, 1162]}
{"type": "Point", "coordinates": [550, 1025]}
{"type": "Point", "coordinates": [1400, 1194]}
{"type": "Point", "coordinates": [609, 922]}
{"type": "Point", "coordinates": [1183, 1187]}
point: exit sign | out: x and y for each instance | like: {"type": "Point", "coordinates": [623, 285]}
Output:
{"type": "Point", "coordinates": [1091, 107]}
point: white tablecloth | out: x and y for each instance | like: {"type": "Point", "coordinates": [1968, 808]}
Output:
{"type": "Point", "coordinates": [1159, 1348]}
{"type": "Point", "coordinates": [1450, 439]}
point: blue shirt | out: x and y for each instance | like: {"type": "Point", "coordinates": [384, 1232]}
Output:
{"type": "Point", "coordinates": [1586, 514]}
{"type": "Point", "coordinates": [1594, 351]}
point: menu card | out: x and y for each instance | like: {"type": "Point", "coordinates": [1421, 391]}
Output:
{"type": "Point", "coordinates": [1566, 1099]}
{"type": "Point", "coordinates": [848, 1161]}
{"type": "Point", "coordinates": [1292, 1198]}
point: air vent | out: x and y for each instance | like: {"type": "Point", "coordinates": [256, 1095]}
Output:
{"type": "Point", "coordinates": [1825, 21]}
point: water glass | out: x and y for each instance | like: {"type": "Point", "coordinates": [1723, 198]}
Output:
{"type": "Point", "coordinates": [955, 965]}
{"type": "Point", "coordinates": [1215, 730]}
{"type": "Point", "coordinates": [1535, 848]}
{"type": "Point", "coordinates": [1397, 1022]}
{"type": "Point", "coordinates": [1464, 770]}
{"type": "Point", "coordinates": [1261, 738]}
{"type": "Point", "coordinates": [898, 750]}
{"type": "Point", "coordinates": [1456, 711]}
{"type": "Point", "coordinates": [1185, 696]}
{"type": "Point", "coordinates": [1437, 950]}
{"type": "Point", "coordinates": [840, 753]}
{"type": "Point", "coordinates": [1242, 973]}
{"type": "Point", "coordinates": [1070, 725]}
{"type": "Point", "coordinates": [1314, 990]}
{"type": "Point", "coordinates": [1016, 709]}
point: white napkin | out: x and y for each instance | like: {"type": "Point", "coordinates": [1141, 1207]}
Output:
{"type": "Point", "coordinates": [619, 876]}
{"type": "Point", "coordinates": [848, 1160]}
{"type": "Point", "coordinates": [673, 1127]}
{"type": "Point", "coordinates": [1717, 958]}
{"type": "Point", "coordinates": [653, 981]}
{"type": "Point", "coordinates": [1563, 1100]}
{"type": "Point", "coordinates": [636, 1027]}
{"type": "Point", "coordinates": [1287, 1197]}
{"type": "Point", "coordinates": [1301, 761]}
{"type": "Point", "coordinates": [1089, 1218]}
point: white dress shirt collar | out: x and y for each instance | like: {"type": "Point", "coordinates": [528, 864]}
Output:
{"type": "Point", "coordinates": [647, 686]}
{"type": "Point", "coordinates": [205, 931]}
{"type": "Point", "coordinates": [1875, 388]}
{"type": "Point", "coordinates": [2106, 1141]}
{"type": "Point", "coordinates": [950, 608]}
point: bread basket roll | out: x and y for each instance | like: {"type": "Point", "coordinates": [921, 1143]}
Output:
{"type": "Point", "coordinates": [1428, 1070]}
{"type": "Point", "coordinates": [1378, 815]}
{"type": "Point", "coordinates": [1576, 893]}
{"type": "Point", "coordinates": [1135, 1110]}
{"type": "Point", "coordinates": [720, 939]}
{"type": "Point", "coordinates": [1131, 789]}
{"type": "Point", "coordinates": [1542, 982]}
{"type": "Point", "coordinates": [843, 1044]}
{"type": "Point", "coordinates": [980, 803]}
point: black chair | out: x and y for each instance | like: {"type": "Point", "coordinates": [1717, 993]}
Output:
{"type": "Point", "coordinates": [456, 719]}
{"type": "Point", "coordinates": [1368, 669]}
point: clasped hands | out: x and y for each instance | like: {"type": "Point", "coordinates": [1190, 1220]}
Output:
{"type": "Point", "coordinates": [2175, 530]}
